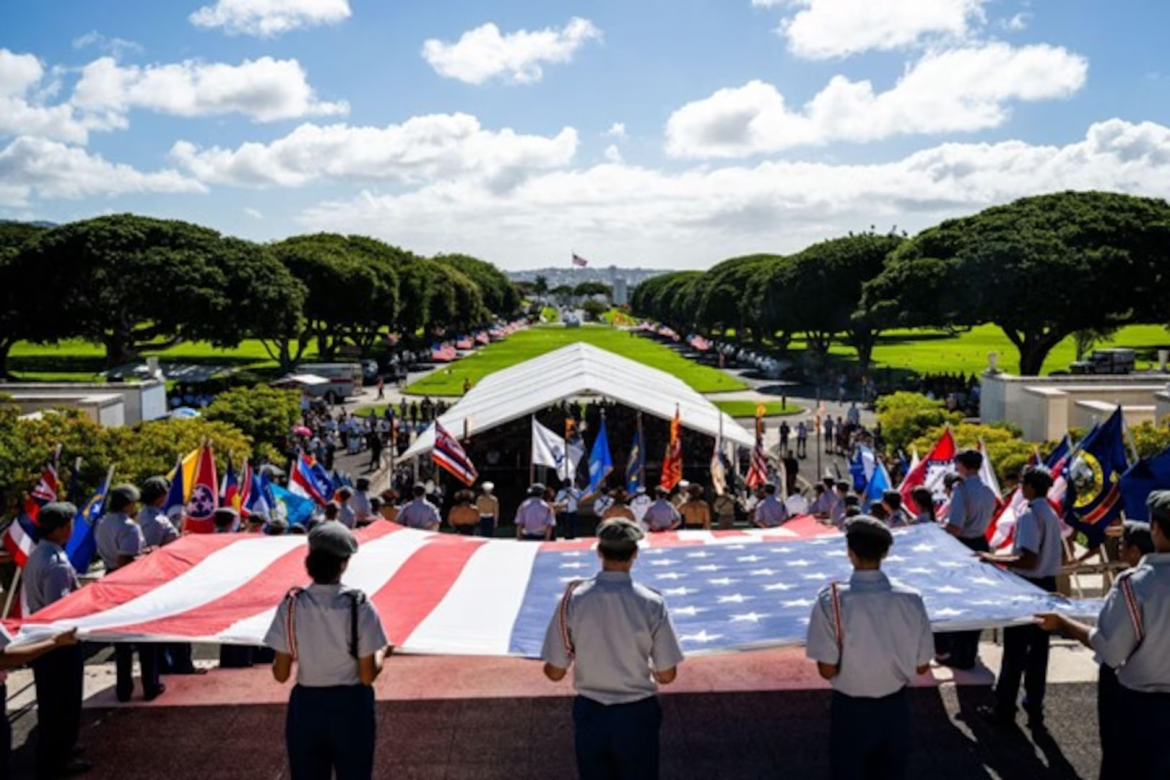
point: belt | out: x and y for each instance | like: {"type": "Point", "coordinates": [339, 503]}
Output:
{"type": "Point", "coordinates": [872, 699]}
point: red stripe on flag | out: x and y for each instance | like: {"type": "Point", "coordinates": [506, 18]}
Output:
{"type": "Point", "coordinates": [262, 592]}
{"type": "Point", "coordinates": [421, 584]}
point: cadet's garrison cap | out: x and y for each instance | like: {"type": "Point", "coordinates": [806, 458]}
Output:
{"type": "Point", "coordinates": [155, 488]}
{"type": "Point", "coordinates": [1137, 535]}
{"type": "Point", "coordinates": [864, 526]}
{"type": "Point", "coordinates": [123, 495]}
{"type": "Point", "coordinates": [52, 516]}
{"type": "Point", "coordinates": [225, 516]}
{"type": "Point", "coordinates": [972, 459]}
{"type": "Point", "coordinates": [619, 535]}
{"type": "Point", "coordinates": [537, 489]}
{"type": "Point", "coordinates": [1159, 505]}
{"type": "Point", "coordinates": [333, 538]}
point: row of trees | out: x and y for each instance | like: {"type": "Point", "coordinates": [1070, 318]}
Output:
{"type": "Point", "coordinates": [1041, 269]}
{"type": "Point", "coordinates": [129, 283]}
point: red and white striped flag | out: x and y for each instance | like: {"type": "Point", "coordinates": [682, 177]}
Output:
{"type": "Point", "coordinates": [449, 454]}
{"type": "Point", "coordinates": [758, 468]}
{"type": "Point", "coordinates": [579, 261]}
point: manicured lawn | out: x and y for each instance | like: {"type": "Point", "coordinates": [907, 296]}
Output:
{"type": "Point", "coordinates": [748, 408]}
{"type": "Point", "coordinates": [937, 352]}
{"type": "Point", "coordinates": [537, 341]}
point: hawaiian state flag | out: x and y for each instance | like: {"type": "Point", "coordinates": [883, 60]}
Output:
{"type": "Point", "coordinates": [310, 480]}
{"type": "Point", "coordinates": [930, 471]}
{"type": "Point", "coordinates": [82, 545]}
{"type": "Point", "coordinates": [204, 495]}
{"type": "Point", "coordinates": [672, 464]}
{"type": "Point", "coordinates": [1094, 472]}
{"type": "Point", "coordinates": [449, 454]}
{"type": "Point", "coordinates": [21, 538]}
{"type": "Point", "coordinates": [46, 488]}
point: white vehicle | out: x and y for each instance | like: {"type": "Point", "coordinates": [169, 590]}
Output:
{"type": "Point", "coordinates": [345, 379]}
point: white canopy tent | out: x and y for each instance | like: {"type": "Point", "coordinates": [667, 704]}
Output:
{"type": "Point", "coordinates": [576, 370]}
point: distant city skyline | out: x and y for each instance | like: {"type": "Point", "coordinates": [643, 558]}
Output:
{"type": "Point", "coordinates": [653, 134]}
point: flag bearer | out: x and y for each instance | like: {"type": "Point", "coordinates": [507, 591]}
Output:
{"type": "Point", "coordinates": [59, 675]}
{"type": "Point", "coordinates": [870, 638]}
{"type": "Point", "coordinates": [119, 542]}
{"type": "Point", "coordinates": [618, 637]}
{"type": "Point", "coordinates": [535, 520]}
{"type": "Point", "coordinates": [1132, 634]}
{"type": "Point", "coordinates": [335, 637]}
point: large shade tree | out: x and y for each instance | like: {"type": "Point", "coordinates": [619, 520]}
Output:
{"type": "Point", "coordinates": [130, 283]}
{"type": "Point", "coordinates": [1041, 269]}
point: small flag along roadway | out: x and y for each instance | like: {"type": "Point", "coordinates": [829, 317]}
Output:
{"type": "Point", "coordinates": [451, 595]}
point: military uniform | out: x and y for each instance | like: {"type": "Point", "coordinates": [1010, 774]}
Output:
{"type": "Point", "coordinates": [419, 513]}
{"type": "Point", "coordinates": [1025, 648]}
{"type": "Point", "coordinates": [488, 507]}
{"type": "Point", "coordinates": [615, 634]}
{"type": "Point", "coordinates": [157, 528]}
{"type": "Point", "coordinates": [972, 508]}
{"type": "Point", "coordinates": [117, 535]}
{"type": "Point", "coordinates": [662, 516]}
{"type": "Point", "coordinates": [877, 634]}
{"type": "Point", "coordinates": [59, 675]}
{"type": "Point", "coordinates": [326, 629]}
{"type": "Point", "coordinates": [567, 500]}
{"type": "Point", "coordinates": [1132, 634]}
{"type": "Point", "coordinates": [770, 513]}
{"type": "Point", "coordinates": [535, 520]}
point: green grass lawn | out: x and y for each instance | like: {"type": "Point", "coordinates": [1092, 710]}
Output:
{"type": "Point", "coordinates": [534, 342]}
{"type": "Point", "coordinates": [936, 352]}
{"type": "Point", "coordinates": [748, 408]}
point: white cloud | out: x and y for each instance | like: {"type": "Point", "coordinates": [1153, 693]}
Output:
{"type": "Point", "coordinates": [1018, 22]}
{"type": "Point", "coordinates": [266, 18]}
{"type": "Point", "coordinates": [265, 89]}
{"type": "Point", "coordinates": [118, 47]}
{"type": "Point", "coordinates": [699, 216]}
{"type": "Point", "coordinates": [823, 29]}
{"type": "Point", "coordinates": [616, 130]}
{"type": "Point", "coordinates": [426, 148]}
{"type": "Point", "coordinates": [50, 170]}
{"type": "Point", "coordinates": [23, 112]}
{"type": "Point", "coordinates": [613, 154]}
{"type": "Point", "coordinates": [958, 90]}
{"type": "Point", "coordinates": [484, 53]}
{"type": "Point", "coordinates": [254, 213]}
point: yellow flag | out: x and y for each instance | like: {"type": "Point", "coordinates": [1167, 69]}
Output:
{"type": "Point", "coordinates": [761, 411]}
{"type": "Point", "coordinates": [190, 465]}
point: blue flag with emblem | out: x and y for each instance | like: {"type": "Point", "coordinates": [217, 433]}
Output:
{"type": "Point", "coordinates": [878, 485]}
{"type": "Point", "coordinates": [1143, 478]}
{"type": "Point", "coordinates": [292, 508]}
{"type": "Point", "coordinates": [82, 545]}
{"type": "Point", "coordinates": [636, 464]}
{"type": "Point", "coordinates": [1093, 475]}
{"type": "Point", "coordinates": [600, 460]}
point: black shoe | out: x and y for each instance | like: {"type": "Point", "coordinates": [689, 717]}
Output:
{"type": "Point", "coordinates": [124, 696]}
{"type": "Point", "coordinates": [997, 717]}
{"type": "Point", "coordinates": [152, 695]}
{"type": "Point", "coordinates": [1036, 721]}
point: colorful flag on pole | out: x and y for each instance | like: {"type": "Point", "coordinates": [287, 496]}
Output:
{"type": "Point", "coordinates": [45, 491]}
{"type": "Point", "coordinates": [1143, 478]}
{"type": "Point", "coordinates": [600, 460]}
{"type": "Point", "coordinates": [260, 501]}
{"type": "Point", "coordinates": [292, 508]}
{"type": "Point", "coordinates": [176, 502]}
{"type": "Point", "coordinates": [579, 261]}
{"type": "Point", "coordinates": [1094, 472]}
{"type": "Point", "coordinates": [548, 449]}
{"type": "Point", "coordinates": [929, 472]}
{"type": "Point", "coordinates": [636, 463]}
{"type": "Point", "coordinates": [310, 480]}
{"type": "Point", "coordinates": [204, 495]}
{"type": "Point", "coordinates": [758, 468]}
{"type": "Point", "coordinates": [672, 463]}
{"type": "Point", "coordinates": [719, 468]}
{"type": "Point", "coordinates": [82, 545]}
{"type": "Point", "coordinates": [876, 487]}
{"type": "Point", "coordinates": [449, 454]}
{"type": "Point", "coordinates": [229, 492]}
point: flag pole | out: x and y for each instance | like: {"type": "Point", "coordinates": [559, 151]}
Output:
{"type": "Point", "coordinates": [531, 462]}
{"type": "Point", "coordinates": [642, 454]}
{"type": "Point", "coordinates": [15, 586]}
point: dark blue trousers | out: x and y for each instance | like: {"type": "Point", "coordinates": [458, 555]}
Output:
{"type": "Point", "coordinates": [1109, 723]}
{"type": "Point", "coordinates": [148, 660]}
{"type": "Point", "coordinates": [487, 526]}
{"type": "Point", "coordinates": [869, 739]}
{"type": "Point", "coordinates": [331, 730]}
{"type": "Point", "coordinates": [1145, 719]}
{"type": "Point", "coordinates": [176, 659]}
{"type": "Point", "coordinates": [618, 742]}
{"type": "Point", "coordinates": [5, 740]}
{"type": "Point", "coordinates": [59, 676]}
{"type": "Point", "coordinates": [567, 522]}
{"type": "Point", "coordinates": [1025, 656]}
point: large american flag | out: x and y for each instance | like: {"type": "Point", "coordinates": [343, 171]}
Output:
{"type": "Point", "coordinates": [445, 594]}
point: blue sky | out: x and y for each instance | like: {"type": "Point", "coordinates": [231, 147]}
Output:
{"type": "Point", "coordinates": [635, 132]}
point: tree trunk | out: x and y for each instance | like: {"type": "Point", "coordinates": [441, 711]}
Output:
{"type": "Point", "coordinates": [863, 341]}
{"type": "Point", "coordinates": [119, 346]}
{"type": "Point", "coordinates": [1033, 349]}
{"type": "Point", "coordinates": [5, 347]}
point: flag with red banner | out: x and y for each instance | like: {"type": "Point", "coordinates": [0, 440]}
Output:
{"type": "Point", "coordinates": [672, 464]}
{"type": "Point", "coordinates": [204, 495]}
{"type": "Point", "coordinates": [930, 471]}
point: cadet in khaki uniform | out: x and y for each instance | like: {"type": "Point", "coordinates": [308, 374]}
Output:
{"type": "Point", "coordinates": [488, 507]}
{"type": "Point", "coordinates": [617, 636]}
{"type": "Point", "coordinates": [870, 638]}
{"type": "Point", "coordinates": [1132, 635]}
{"type": "Point", "coordinates": [335, 637]}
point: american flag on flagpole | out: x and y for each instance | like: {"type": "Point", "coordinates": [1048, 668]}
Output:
{"type": "Point", "coordinates": [579, 261]}
{"type": "Point", "coordinates": [735, 590]}
{"type": "Point", "coordinates": [449, 454]}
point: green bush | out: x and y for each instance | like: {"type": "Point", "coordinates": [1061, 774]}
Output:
{"type": "Point", "coordinates": [261, 413]}
{"type": "Point", "coordinates": [151, 447]}
{"type": "Point", "coordinates": [905, 417]}
{"type": "Point", "coordinates": [594, 310]}
{"type": "Point", "coordinates": [1150, 439]}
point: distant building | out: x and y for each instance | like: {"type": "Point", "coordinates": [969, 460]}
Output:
{"type": "Point", "coordinates": [621, 292]}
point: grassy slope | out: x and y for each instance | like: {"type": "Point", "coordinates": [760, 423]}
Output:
{"type": "Point", "coordinates": [748, 408]}
{"type": "Point", "coordinates": [534, 342]}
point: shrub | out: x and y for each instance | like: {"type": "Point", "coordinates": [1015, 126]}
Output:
{"type": "Point", "coordinates": [261, 413]}
{"type": "Point", "coordinates": [905, 417]}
